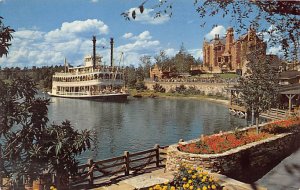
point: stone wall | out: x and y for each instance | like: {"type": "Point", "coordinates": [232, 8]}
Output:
{"type": "Point", "coordinates": [244, 163]}
{"type": "Point", "coordinates": [207, 88]}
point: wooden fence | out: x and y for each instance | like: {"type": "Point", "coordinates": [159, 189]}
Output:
{"type": "Point", "coordinates": [118, 166]}
{"type": "Point", "coordinates": [121, 165]}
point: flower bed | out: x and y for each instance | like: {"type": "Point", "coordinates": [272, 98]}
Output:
{"type": "Point", "coordinates": [219, 143]}
{"type": "Point", "coordinates": [190, 177]}
{"type": "Point", "coordinates": [240, 154]}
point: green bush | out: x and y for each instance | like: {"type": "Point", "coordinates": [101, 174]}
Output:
{"type": "Point", "coordinates": [158, 88]}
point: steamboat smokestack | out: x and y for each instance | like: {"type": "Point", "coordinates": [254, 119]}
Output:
{"type": "Point", "coordinates": [94, 52]}
{"type": "Point", "coordinates": [111, 51]}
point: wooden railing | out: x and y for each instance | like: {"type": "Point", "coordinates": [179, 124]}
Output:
{"type": "Point", "coordinates": [121, 165]}
{"type": "Point", "coordinates": [125, 165]}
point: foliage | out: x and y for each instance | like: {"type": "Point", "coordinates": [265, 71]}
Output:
{"type": "Point", "coordinates": [164, 62]}
{"type": "Point", "coordinates": [158, 88]}
{"type": "Point", "coordinates": [30, 144]}
{"type": "Point", "coordinates": [130, 76]}
{"type": "Point", "coordinates": [189, 177]}
{"type": "Point", "coordinates": [282, 18]}
{"type": "Point", "coordinates": [5, 38]}
{"type": "Point", "coordinates": [283, 126]}
{"type": "Point", "coordinates": [227, 76]}
{"type": "Point", "coordinates": [183, 61]}
{"type": "Point", "coordinates": [180, 89]}
{"type": "Point", "coordinates": [140, 85]}
{"type": "Point", "coordinates": [191, 90]}
{"type": "Point", "coordinates": [146, 65]}
{"type": "Point", "coordinates": [42, 76]}
{"type": "Point", "coordinates": [259, 87]}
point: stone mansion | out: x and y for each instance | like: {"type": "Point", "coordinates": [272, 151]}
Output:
{"type": "Point", "coordinates": [229, 55]}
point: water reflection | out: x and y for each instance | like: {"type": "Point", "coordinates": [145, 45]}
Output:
{"type": "Point", "coordinates": [141, 123]}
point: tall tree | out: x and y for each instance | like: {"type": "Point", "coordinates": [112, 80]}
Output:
{"type": "Point", "coordinates": [146, 64]}
{"type": "Point", "coordinates": [164, 62]}
{"type": "Point", "coordinates": [30, 145]}
{"type": "Point", "coordinates": [130, 76]}
{"type": "Point", "coordinates": [259, 86]}
{"type": "Point", "coordinates": [183, 60]}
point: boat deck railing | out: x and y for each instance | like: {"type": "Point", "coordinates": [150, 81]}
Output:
{"type": "Point", "coordinates": [87, 93]}
{"type": "Point", "coordinates": [92, 71]}
{"type": "Point", "coordinates": [84, 81]}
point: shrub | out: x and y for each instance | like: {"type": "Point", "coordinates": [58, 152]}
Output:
{"type": "Point", "coordinates": [238, 134]}
{"type": "Point", "coordinates": [193, 91]}
{"type": "Point", "coordinates": [282, 126]}
{"type": "Point", "coordinates": [181, 89]}
{"type": "Point", "coordinates": [140, 85]}
{"type": "Point", "coordinates": [189, 177]}
{"type": "Point", "coordinates": [158, 88]}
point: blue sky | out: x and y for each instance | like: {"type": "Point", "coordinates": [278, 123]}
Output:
{"type": "Point", "coordinates": [47, 31]}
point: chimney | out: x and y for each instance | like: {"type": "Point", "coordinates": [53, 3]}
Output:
{"type": "Point", "coordinates": [111, 51]}
{"type": "Point", "coordinates": [216, 36]}
{"type": "Point", "coordinates": [94, 52]}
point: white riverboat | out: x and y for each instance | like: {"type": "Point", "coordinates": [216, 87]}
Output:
{"type": "Point", "coordinates": [91, 81]}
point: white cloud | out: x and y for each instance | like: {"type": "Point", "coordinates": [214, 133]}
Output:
{"type": "Point", "coordinates": [70, 30]}
{"type": "Point", "coordinates": [94, 1]}
{"type": "Point", "coordinates": [141, 42]}
{"type": "Point", "coordinates": [148, 17]}
{"type": "Point", "coordinates": [143, 36]}
{"type": "Point", "coordinates": [138, 45]}
{"type": "Point", "coordinates": [72, 40]}
{"type": "Point", "coordinates": [196, 53]}
{"type": "Point", "coordinates": [216, 30]}
{"type": "Point", "coordinates": [171, 52]}
{"type": "Point", "coordinates": [275, 50]}
{"type": "Point", "coordinates": [127, 35]}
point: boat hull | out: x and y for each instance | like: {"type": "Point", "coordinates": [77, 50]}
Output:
{"type": "Point", "coordinates": [102, 97]}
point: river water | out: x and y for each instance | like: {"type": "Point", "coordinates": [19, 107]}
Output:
{"type": "Point", "coordinates": [139, 124]}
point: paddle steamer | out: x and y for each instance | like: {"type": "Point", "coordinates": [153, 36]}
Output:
{"type": "Point", "coordinates": [93, 80]}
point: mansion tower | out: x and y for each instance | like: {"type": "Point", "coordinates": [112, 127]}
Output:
{"type": "Point", "coordinates": [230, 55]}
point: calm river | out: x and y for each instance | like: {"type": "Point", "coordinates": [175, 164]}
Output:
{"type": "Point", "coordinates": [139, 124]}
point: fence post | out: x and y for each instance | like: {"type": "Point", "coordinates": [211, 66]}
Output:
{"type": "Point", "coordinates": [157, 154]}
{"type": "Point", "coordinates": [91, 174]}
{"type": "Point", "coordinates": [126, 157]}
